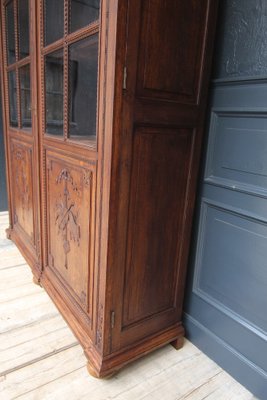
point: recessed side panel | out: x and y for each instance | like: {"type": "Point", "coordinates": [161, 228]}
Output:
{"type": "Point", "coordinates": [171, 49]}
{"type": "Point", "coordinates": [22, 189]}
{"type": "Point", "coordinates": [237, 151]}
{"type": "Point", "coordinates": [70, 188]}
{"type": "Point", "coordinates": [157, 203]}
{"type": "Point", "coordinates": [221, 262]}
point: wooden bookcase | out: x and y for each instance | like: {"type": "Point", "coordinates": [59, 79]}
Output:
{"type": "Point", "coordinates": [104, 105]}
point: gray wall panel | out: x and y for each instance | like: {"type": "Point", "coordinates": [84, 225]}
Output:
{"type": "Point", "coordinates": [226, 302]}
{"type": "Point", "coordinates": [228, 243]}
{"type": "Point", "coordinates": [238, 150]}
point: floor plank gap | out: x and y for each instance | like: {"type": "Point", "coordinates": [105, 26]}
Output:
{"type": "Point", "coordinates": [36, 360]}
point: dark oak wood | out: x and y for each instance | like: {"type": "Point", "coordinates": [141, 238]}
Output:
{"type": "Point", "coordinates": [105, 223]}
{"type": "Point", "coordinates": [178, 343]}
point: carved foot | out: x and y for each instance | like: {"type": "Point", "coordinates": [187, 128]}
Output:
{"type": "Point", "coordinates": [98, 375]}
{"type": "Point", "coordinates": [178, 343]}
{"type": "Point", "coordinates": [36, 281]}
{"type": "Point", "coordinates": [8, 233]}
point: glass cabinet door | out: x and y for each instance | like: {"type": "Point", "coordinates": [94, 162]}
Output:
{"type": "Point", "coordinates": [83, 56]}
{"type": "Point", "coordinates": [70, 66]}
{"type": "Point", "coordinates": [18, 64]}
{"type": "Point", "coordinates": [19, 68]}
{"type": "Point", "coordinates": [54, 92]}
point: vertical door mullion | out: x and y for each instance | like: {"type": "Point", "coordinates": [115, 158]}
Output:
{"type": "Point", "coordinates": [41, 71]}
{"type": "Point", "coordinates": [5, 88]}
{"type": "Point", "coordinates": [17, 58]}
{"type": "Point", "coordinates": [6, 113]}
{"type": "Point", "coordinates": [65, 93]}
{"type": "Point", "coordinates": [66, 72]}
{"type": "Point", "coordinates": [39, 45]}
{"type": "Point", "coordinates": [33, 38]}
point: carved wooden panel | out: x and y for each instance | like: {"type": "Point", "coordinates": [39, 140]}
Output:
{"type": "Point", "coordinates": [22, 188]}
{"type": "Point", "coordinates": [169, 67]}
{"type": "Point", "coordinates": [157, 203]}
{"type": "Point", "coordinates": [70, 191]}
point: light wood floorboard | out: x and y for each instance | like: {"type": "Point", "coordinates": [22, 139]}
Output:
{"type": "Point", "coordinates": [41, 359]}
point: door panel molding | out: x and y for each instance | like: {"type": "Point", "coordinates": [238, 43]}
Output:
{"type": "Point", "coordinates": [156, 77]}
{"type": "Point", "coordinates": [22, 173]}
{"type": "Point", "coordinates": [155, 156]}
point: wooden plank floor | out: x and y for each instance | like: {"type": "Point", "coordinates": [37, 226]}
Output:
{"type": "Point", "coordinates": [41, 359]}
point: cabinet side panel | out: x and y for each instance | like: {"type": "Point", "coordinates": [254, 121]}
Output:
{"type": "Point", "coordinates": [171, 49]}
{"type": "Point", "coordinates": [158, 190]}
{"type": "Point", "coordinates": [156, 158]}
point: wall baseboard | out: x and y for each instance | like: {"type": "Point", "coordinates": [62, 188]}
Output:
{"type": "Point", "coordinates": [248, 374]}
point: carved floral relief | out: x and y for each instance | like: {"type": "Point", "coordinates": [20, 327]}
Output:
{"type": "Point", "coordinates": [67, 216]}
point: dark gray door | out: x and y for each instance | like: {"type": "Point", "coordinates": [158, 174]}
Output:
{"type": "Point", "coordinates": [3, 193]}
{"type": "Point", "coordinates": [226, 307]}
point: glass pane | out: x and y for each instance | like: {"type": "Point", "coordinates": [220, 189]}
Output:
{"type": "Point", "coordinates": [83, 66]}
{"type": "Point", "coordinates": [12, 97]}
{"type": "Point", "coordinates": [53, 20]}
{"type": "Point", "coordinates": [10, 28]}
{"type": "Point", "coordinates": [23, 9]}
{"type": "Point", "coordinates": [54, 92]}
{"type": "Point", "coordinates": [25, 96]}
{"type": "Point", "coordinates": [83, 12]}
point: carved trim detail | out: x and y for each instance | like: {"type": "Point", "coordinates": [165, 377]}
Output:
{"type": "Point", "coordinates": [44, 201]}
{"type": "Point", "coordinates": [66, 176]}
{"type": "Point", "coordinates": [83, 297]}
{"type": "Point", "coordinates": [21, 179]}
{"type": "Point", "coordinates": [66, 217]}
{"type": "Point", "coordinates": [15, 218]}
{"type": "Point", "coordinates": [87, 177]}
{"type": "Point", "coordinates": [99, 335]}
{"type": "Point", "coordinates": [38, 248]}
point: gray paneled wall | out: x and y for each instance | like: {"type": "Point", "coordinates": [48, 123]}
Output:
{"type": "Point", "coordinates": [241, 50]}
{"type": "Point", "coordinates": [225, 309]}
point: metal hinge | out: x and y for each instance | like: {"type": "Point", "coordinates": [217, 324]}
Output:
{"type": "Point", "coordinates": [112, 319]}
{"type": "Point", "coordinates": [125, 78]}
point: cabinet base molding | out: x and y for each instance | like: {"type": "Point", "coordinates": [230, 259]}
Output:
{"type": "Point", "coordinates": [105, 366]}
{"type": "Point", "coordinates": [110, 364]}
{"type": "Point", "coordinates": [36, 281]}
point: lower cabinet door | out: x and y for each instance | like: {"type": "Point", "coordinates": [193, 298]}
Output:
{"type": "Point", "coordinates": [70, 226]}
{"type": "Point", "coordinates": [24, 199]}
